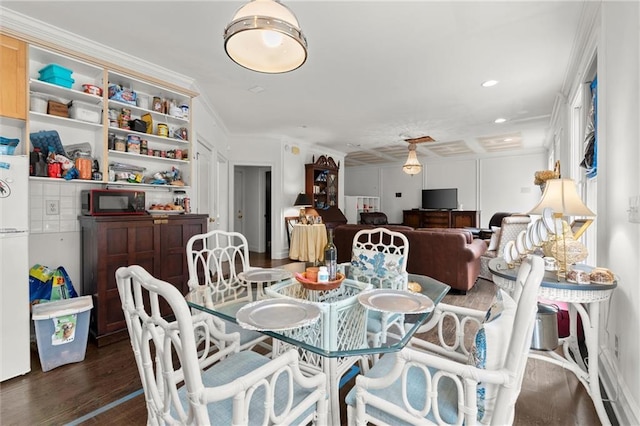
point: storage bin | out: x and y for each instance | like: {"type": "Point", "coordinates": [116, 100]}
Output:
{"type": "Point", "coordinates": [57, 109]}
{"type": "Point", "coordinates": [85, 112]}
{"type": "Point", "coordinates": [38, 103]}
{"type": "Point", "coordinates": [62, 330]}
{"type": "Point", "coordinates": [55, 70]}
{"type": "Point", "coordinates": [59, 81]}
{"type": "Point", "coordinates": [545, 329]}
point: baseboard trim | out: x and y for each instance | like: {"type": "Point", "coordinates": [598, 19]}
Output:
{"type": "Point", "coordinates": [625, 409]}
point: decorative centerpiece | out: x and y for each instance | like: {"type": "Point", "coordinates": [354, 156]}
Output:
{"type": "Point", "coordinates": [315, 285]}
{"type": "Point", "coordinates": [542, 176]}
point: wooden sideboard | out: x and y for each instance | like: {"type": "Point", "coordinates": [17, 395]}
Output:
{"type": "Point", "coordinates": [157, 243]}
{"type": "Point", "coordinates": [440, 218]}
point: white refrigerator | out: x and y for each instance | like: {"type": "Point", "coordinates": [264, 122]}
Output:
{"type": "Point", "coordinates": [15, 358]}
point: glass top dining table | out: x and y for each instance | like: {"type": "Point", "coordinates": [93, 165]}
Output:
{"type": "Point", "coordinates": [429, 287]}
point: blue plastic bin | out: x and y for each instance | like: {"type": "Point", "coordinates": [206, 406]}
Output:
{"type": "Point", "coordinates": [58, 75]}
{"type": "Point", "coordinates": [55, 70]}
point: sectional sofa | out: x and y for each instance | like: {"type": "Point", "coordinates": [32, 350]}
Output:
{"type": "Point", "coordinates": [451, 256]}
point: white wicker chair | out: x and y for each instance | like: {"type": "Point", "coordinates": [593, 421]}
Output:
{"type": "Point", "coordinates": [221, 385]}
{"type": "Point", "coordinates": [430, 384]}
{"type": "Point", "coordinates": [215, 259]}
{"type": "Point", "coordinates": [510, 227]}
{"type": "Point", "coordinates": [379, 257]}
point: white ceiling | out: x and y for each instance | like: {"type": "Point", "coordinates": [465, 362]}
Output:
{"type": "Point", "coordinates": [378, 72]}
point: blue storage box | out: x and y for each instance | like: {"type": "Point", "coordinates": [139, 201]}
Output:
{"type": "Point", "coordinates": [59, 81]}
{"type": "Point", "coordinates": [55, 70]}
{"type": "Point", "coordinates": [62, 330]}
{"type": "Point", "coordinates": [58, 75]}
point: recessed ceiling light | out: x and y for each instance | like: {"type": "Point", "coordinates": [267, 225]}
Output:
{"type": "Point", "coordinates": [256, 89]}
{"type": "Point", "coordinates": [500, 120]}
{"type": "Point", "coordinates": [489, 83]}
{"type": "Point", "coordinates": [508, 139]}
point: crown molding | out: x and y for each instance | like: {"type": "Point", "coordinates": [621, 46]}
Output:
{"type": "Point", "coordinates": [46, 35]}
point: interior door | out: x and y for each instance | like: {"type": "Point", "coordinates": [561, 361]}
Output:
{"type": "Point", "coordinates": [238, 200]}
{"type": "Point", "coordinates": [267, 212]}
{"type": "Point", "coordinates": [205, 183]}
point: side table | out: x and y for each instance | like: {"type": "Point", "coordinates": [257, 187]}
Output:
{"type": "Point", "coordinates": [583, 299]}
{"type": "Point", "coordinates": [308, 242]}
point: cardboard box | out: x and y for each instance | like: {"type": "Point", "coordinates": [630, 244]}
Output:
{"type": "Point", "coordinates": [57, 108]}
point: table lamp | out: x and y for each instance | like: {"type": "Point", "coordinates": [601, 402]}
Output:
{"type": "Point", "coordinates": [561, 196]}
{"type": "Point", "coordinates": [303, 201]}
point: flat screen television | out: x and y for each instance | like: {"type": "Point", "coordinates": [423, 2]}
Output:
{"type": "Point", "coordinates": [440, 199]}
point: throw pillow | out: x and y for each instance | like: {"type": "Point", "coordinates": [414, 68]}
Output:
{"type": "Point", "coordinates": [495, 236]}
{"type": "Point", "coordinates": [374, 262]}
{"type": "Point", "coordinates": [490, 347]}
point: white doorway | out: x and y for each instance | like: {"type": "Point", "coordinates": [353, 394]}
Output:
{"type": "Point", "coordinates": [238, 200]}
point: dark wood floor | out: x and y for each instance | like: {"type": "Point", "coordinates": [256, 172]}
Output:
{"type": "Point", "coordinates": [68, 394]}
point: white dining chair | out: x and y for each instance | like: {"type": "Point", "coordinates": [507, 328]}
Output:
{"type": "Point", "coordinates": [215, 259]}
{"type": "Point", "coordinates": [188, 377]}
{"type": "Point", "coordinates": [379, 257]}
{"type": "Point", "coordinates": [456, 384]}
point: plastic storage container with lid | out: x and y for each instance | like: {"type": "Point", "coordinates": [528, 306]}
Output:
{"type": "Point", "coordinates": [62, 329]}
{"type": "Point", "coordinates": [84, 111]}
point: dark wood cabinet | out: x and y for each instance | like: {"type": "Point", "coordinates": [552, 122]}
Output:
{"type": "Point", "coordinates": [321, 182]}
{"type": "Point", "coordinates": [440, 218]}
{"type": "Point", "coordinates": [157, 243]}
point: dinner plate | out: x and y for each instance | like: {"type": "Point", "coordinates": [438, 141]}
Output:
{"type": "Point", "coordinates": [277, 314]}
{"type": "Point", "coordinates": [266, 275]}
{"type": "Point", "coordinates": [547, 219]}
{"type": "Point", "coordinates": [543, 234]}
{"type": "Point", "coordinates": [528, 241]}
{"type": "Point", "coordinates": [520, 243]}
{"type": "Point", "coordinates": [396, 301]}
{"type": "Point", "coordinates": [533, 232]}
{"type": "Point", "coordinates": [507, 254]}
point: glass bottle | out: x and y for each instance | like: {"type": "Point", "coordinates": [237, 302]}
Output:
{"type": "Point", "coordinates": [331, 257]}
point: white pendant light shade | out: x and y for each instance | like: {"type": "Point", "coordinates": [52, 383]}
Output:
{"type": "Point", "coordinates": [412, 166]}
{"type": "Point", "coordinates": [265, 36]}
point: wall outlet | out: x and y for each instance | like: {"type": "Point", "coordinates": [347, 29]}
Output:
{"type": "Point", "coordinates": [615, 346]}
{"type": "Point", "coordinates": [52, 207]}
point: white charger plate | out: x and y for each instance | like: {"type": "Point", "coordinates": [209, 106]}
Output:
{"type": "Point", "coordinates": [395, 301]}
{"type": "Point", "coordinates": [265, 275]}
{"type": "Point", "coordinates": [507, 254]}
{"type": "Point", "coordinates": [533, 232]}
{"type": "Point", "coordinates": [277, 314]}
{"type": "Point", "coordinates": [521, 243]}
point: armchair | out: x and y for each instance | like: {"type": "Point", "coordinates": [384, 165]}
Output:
{"type": "Point", "coordinates": [379, 257]}
{"type": "Point", "coordinates": [510, 227]}
{"type": "Point", "coordinates": [427, 383]}
{"type": "Point", "coordinates": [214, 260]}
{"type": "Point", "coordinates": [221, 385]}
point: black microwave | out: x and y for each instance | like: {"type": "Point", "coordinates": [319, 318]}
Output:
{"type": "Point", "coordinates": [106, 202]}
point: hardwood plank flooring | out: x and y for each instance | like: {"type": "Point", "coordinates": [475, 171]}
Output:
{"type": "Point", "coordinates": [549, 396]}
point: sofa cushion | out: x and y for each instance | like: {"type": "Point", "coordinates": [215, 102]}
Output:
{"type": "Point", "coordinates": [373, 218]}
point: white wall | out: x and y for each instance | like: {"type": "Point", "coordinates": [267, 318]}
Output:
{"type": "Point", "coordinates": [488, 185]}
{"type": "Point", "coordinates": [618, 179]}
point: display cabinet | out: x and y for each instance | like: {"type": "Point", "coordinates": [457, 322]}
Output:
{"type": "Point", "coordinates": [321, 182]}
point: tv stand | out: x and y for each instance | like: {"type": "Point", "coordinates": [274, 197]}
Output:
{"type": "Point", "coordinates": [440, 218]}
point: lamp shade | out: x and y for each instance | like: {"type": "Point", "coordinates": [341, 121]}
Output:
{"type": "Point", "coordinates": [412, 165]}
{"type": "Point", "coordinates": [561, 196]}
{"type": "Point", "coordinates": [303, 200]}
{"type": "Point", "coordinates": [265, 36]}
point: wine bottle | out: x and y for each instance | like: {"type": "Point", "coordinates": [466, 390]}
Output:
{"type": "Point", "coordinates": [331, 257]}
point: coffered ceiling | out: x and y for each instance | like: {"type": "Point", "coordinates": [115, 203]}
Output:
{"type": "Point", "coordinates": [378, 72]}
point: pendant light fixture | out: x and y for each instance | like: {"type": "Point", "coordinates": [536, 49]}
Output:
{"type": "Point", "coordinates": [412, 166]}
{"type": "Point", "coordinates": [264, 36]}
